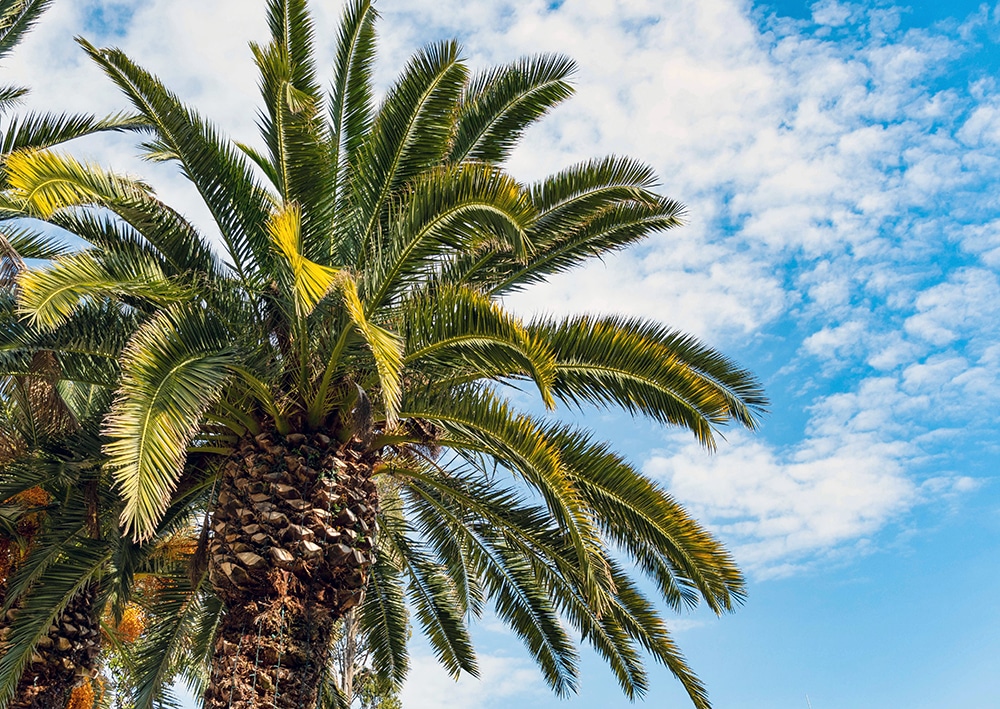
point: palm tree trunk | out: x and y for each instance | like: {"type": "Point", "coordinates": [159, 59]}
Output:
{"type": "Point", "coordinates": [290, 549]}
{"type": "Point", "coordinates": [64, 658]}
{"type": "Point", "coordinates": [68, 653]}
{"type": "Point", "coordinates": [350, 655]}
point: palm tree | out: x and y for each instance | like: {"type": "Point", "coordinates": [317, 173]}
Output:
{"type": "Point", "coordinates": [67, 563]}
{"type": "Point", "coordinates": [33, 412]}
{"type": "Point", "coordinates": [346, 359]}
{"type": "Point", "coordinates": [78, 569]}
{"type": "Point", "coordinates": [69, 579]}
{"type": "Point", "coordinates": [73, 575]}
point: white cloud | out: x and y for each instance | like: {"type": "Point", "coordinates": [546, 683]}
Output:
{"type": "Point", "coordinates": [502, 681]}
{"type": "Point", "coordinates": [780, 506]}
{"type": "Point", "coordinates": [963, 304]}
{"type": "Point", "coordinates": [852, 474]}
{"type": "Point", "coordinates": [680, 284]}
{"type": "Point", "coordinates": [837, 342]}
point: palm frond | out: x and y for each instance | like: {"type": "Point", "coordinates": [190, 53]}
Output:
{"type": "Point", "coordinates": [477, 421]}
{"type": "Point", "coordinates": [498, 105]}
{"type": "Point", "coordinates": [36, 131]}
{"type": "Point", "coordinates": [450, 209]}
{"type": "Point", "coordinates": [55, 589]}
{"type": "Point", "coordinates": [521, 602]}
{"type": "Point", "coordinates": [637, 617]}
{"type": "Point", "coordinates": [310, 281]}
{"type": "Point", "coordinates": [644, 367]}
{"type": "Point", "coordinates": [410, 133]}
{"type": "Point", "coordinates": [58, 540]}
{"type": "Point", "coordinates": [16, 18]}
{"type": "Point", "coordinates": [145, 221]}
{"type": "Point", "coordinates": [178, 611]}
{"type": "Point", "coordinates": [223, 178]}
{"type": "Point", "coordinates": [49, 296]}
{"type": "Point", "coordinates": [11, 96]}
{"type": "Point", "coordinates": [86, 346]}
{"type": "Point", "coordinates": [351, 108]}
{"type": "Point", "coordinates": [584, 212]}
{"type": "Point", "coordinates": [461, 331]}
{"type": "Point", "coordinates": [173, 370]}
{"type": "Point", "coordinates": [386, 349]}
{"type": "Point", "coordinates": [24, 242]}
{"type": "Point", "coordinates": [435, 600]}
{"type": "Point", "coordinates": [500, 537]}
{"type": "Point", "coordinates": [291, 122]}
{"type": "Point", "coordinates": [46, 181]}
{"type": "Point", "coordinates": [383, 617]}
{"type": "Point", "coordinates": [662, 538]}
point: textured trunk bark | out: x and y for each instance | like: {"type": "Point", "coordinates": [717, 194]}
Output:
{"type": "Point", "coordinates": [291, 543]}
{"type": "Point", "coordinates": [64, 658]}
{"type": "Point", "coordinates": [350, 654]}
{"type": "Point", "coordinates": [268, 657]}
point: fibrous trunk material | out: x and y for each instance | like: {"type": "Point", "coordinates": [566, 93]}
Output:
{"type": "Point", "coordinates": [64, 658]}
{"type": "Point", "coordinates": [290, 547]}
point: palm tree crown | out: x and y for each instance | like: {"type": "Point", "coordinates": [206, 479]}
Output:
{"type": "Point", "coordinates": [345, 357]}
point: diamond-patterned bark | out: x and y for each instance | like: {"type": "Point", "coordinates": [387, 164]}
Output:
{"type": "Point", "coordinates": [290, 547]}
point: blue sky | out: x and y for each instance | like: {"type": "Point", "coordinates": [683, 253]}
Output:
{"type": "Point", "coordinates": [840, 166]}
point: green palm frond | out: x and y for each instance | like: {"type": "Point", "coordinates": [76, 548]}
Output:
{"type": "Point", "coordinates": [410, 133]}
{"type": "Point", "coordinates": [50, 595]}
{"type": "Point", "coordinates": [498, 105]}
{"type": "Point", "coordinates": [150, 224]}
{"type": "Point", "coordinates": [499, 537]}
{"type": "Point", "coordinates": [453, 209]}
{"type": "Point", "coordinates": [613, 642]}
{"type": "Point", "coordinates": [583, 212]}
{"type": "Point", "coordinates": [419, 477]}
{"type": "Point", "coordinates": [453, 505]}
{"type": "Point", "coordinates": [195, 662]}
{"type": "Point", "coordinates": [86, 346]}
{"type": "Point", "coordinates": [291, 123]}
{"type": "Point", "coordinates": [178, 611]}
{"type": "Point", "coordinates": [46, 181]}
{"type": "Point", "coordinates": [521, 601]}
{"type": "Point", "coordinates": [16, 18]}
{"type": "Point", "coordinates": [459, 331]}
{"type": "Point", "coordinates": [475, 420]}
{"type": "Point", "coordinates": [35, 411]}
{"type": "Point", "coordinates": [684, 560]}
{"type": "Point", "coordinates": [383, 617]}
{"type": "Point", "coordinates": [49, 296]}
{"type": "Point", "coordinates": [640, 620]}
{"type": "Point", "coordinates": [434, 603]}
{"type": "Point", "coordinates": [57, 541]}
{"type": "Point", "coordinates": [11, 96]}
{"type": "Point", "coordinates": [24, 242]}
{"type": "Point", "coordinates": [223, 178]}
{"type": "Point", "coordinates": [258, 159]}
{"type": "Point", "coordinates": [39, 131]}
{"type": "Point", "coordinates": [351, 102]}
{"type": "Point", "coordinates": [173, 371]}
{"type": "Point", "coordinates": [643, 367]}
{"type": "Point", "coordinates": [293, 34]}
